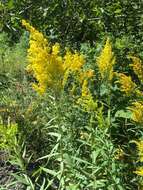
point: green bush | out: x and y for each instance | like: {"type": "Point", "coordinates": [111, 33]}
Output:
{"type": "Point", "coordinates": [83, 20]}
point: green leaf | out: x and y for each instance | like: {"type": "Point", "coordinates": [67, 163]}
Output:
{"type": "Point", "coordinates": [20, 179]}
{"type": "Point", "coordinates": [104, 90]}
{"type": "Point", "coordinates": [10, 4]}
{"type": "Point", "coordinates": [51, 172]}
{"type": "Point", "coordinates": [117, 11]}
{"type": "Point", "coordinates": [124, 114]}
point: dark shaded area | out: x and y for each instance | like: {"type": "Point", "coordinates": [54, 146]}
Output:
{"type": "Point", "coordinates": [74, 21]}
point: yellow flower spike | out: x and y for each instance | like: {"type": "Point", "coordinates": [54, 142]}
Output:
{"type": "Point", "coordinates": [86, 100]}
{"type": "Point", "coordinates": [89, 73]}
{"type": "Point", "coordinates": [27, 25]}
{"type": "Point", "coordinates": [139, 171]}
{"type": "Point", "coordinates": [106, 62]}
{"type": "Point", "coordinates": [46, 67]}
{"type": "Point", "coordinates": [86, 75]}
{"type": "Point", "coordinates": [72, 63]}
{"type": "Point", "coordinates": [140, 149]}
{"type": "Point", "coordinates": [77, 62]}
{"type": "Point", "coordinates": [40, 89]}
{"type": "Point", "coordinates": [126, 84]}
{"type": "Point", "coordinates": [137, 66]}
{"type": "Point", "coordinates": [137, 111]}
{"type": "Point", "coordinates": [56, 49]}
{"type": "Point", "coordinates": [85, 90]}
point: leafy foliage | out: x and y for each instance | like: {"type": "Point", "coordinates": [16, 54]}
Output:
{"type": "Point", "coordinates": [83, 20]}
{"type": "Point", "coordinates": [84, 129]}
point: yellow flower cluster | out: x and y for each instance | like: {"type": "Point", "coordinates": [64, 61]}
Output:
{"type": "Point", "coordinates": [106, 62]}
{"type": "Point", "coordinates": [140, 149]}
{"type": "Point", "coordinates": [85, 90]}
{"type": "Point", "coordinates": [46, 64]}
{"type": "Point", "coordinates": [137, 67]}
{"type": "Point", "coordinates": [139, 144]}
{"type": "Point", "coordinates": [86, 100]}
{"type": "Point", "coordinates": [88, 74]}
{"type": "Point", "coordinates": [72, 63]}
{"type": "Point", "coordinates": [139, 171]}
{"type": "Point", "coordinates": [137, 111]}
{"type": "Point", "coordinates": [126, 84]}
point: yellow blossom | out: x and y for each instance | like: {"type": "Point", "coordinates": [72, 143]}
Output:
{"type": "Point", "coordinates": [139, 171]}
{"type": "Point", "coordinates": [88, 74]}
{"type": "Point", "coordinates": [85, 90]}
{"type": "Point", "coordinates": [126, 84]}
{"type": "Point", "coordinates": [137, 111]}
{"type": "Point", "coordinates": [140, 149]}
{"type": "Point", "coordinates": [46, 67]}
{"type": "Point", "coordinates": [81, 76]}
{"type": "Point", "coordinates": [49, 68]}
{"type": "Point", "coordinates": [139, 144]}
{"type": "Point", "coordinates": [86, 100]}
{"type": "Point", "coordinates": [106, 61]}
{"type": "Point", "coordinates": [56, 49]}
{"type": "Point", "coordinates": [137, 67]}
{"type": "Point", "coordinates": [72, 63]}
{"type": "Point", "coordinates": [27, 25]}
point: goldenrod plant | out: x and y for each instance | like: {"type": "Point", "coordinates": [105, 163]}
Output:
{"type": "Point", "coordinates": [137, 66]}
{"type": "Point", "coordinates": [72, 128]}
{"type": "Point", "coordinates": [106, 62]}
{"type": "Point", "coordinates": [49, 68]}
{"type": "Point", "coordinates": [127, 86]}
{"type": "Point", "coordinates": [137, 112]}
